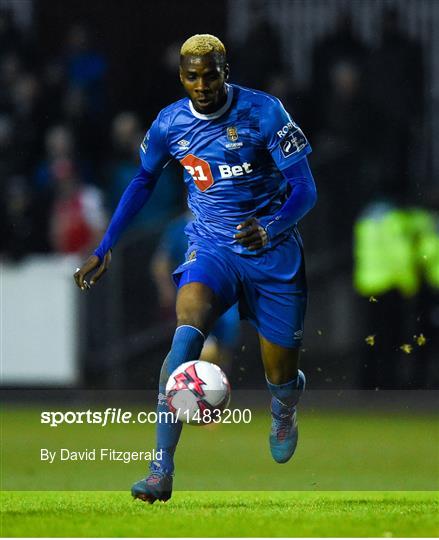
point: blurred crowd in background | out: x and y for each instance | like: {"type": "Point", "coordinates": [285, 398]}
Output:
{"type": "Point", "coordinates": [68, 149]}
{"type": "Point", "coordinates": [65, 158]}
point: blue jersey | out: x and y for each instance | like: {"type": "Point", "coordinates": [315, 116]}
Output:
{"type": "Point", "coordinates": [232, 159]}
{"type": "Point", "coordinates": [173, 242]}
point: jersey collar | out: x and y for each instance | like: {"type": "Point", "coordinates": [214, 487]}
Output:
{"type": "Point", "coordinates": [217, 113]}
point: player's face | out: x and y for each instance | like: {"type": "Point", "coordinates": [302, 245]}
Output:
{"type": "Point", "coordinates": [203, 78]}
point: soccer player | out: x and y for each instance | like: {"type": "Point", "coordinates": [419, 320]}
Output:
{"type": "Point", "coordinates": [249, 183]}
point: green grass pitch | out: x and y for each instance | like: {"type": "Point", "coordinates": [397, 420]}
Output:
{"type": "Point", "coordinates": [211, 514]}
{"type": "Point", "coordinates": [355, 473]}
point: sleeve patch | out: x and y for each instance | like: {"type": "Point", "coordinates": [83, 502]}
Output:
{"type": "Point", "coordinates": [144, 143]}
{"type": "Point", "coordinates": [293, 142]}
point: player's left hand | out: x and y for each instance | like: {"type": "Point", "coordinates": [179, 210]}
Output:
{"type": "Point", "coordinates": [252, 235]}
{"type": "Point", "coordinates": [91, 264]}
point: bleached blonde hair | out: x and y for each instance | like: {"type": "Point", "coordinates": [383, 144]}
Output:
{"type": "Point", "coordinates": [202, 44]}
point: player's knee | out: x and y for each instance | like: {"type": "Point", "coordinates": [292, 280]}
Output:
{"type": "Point", "coordinates": [198, 316]}
{"type": "Point", "coordinates": [195, 307]}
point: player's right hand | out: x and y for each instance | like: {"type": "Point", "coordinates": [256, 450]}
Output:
{"type": "Point", "coordinates": [91, 264]}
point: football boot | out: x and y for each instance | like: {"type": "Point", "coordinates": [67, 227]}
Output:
{"type": "Point", "coordinates": [284, 432]}
{"type": "Point", "coordinates": [156, 486]}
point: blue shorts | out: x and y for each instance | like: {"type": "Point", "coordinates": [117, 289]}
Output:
{"type": "Point", "coordinates": [226, 328]}
{"type": "Point", "coordinates": [270, 287]}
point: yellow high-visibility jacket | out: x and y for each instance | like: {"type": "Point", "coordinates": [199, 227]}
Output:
{"type": "Point", "coordinates": [395, 248]}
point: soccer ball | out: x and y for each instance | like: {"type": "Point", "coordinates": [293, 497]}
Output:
{"type": "Point", "coordinates": [197, 392]}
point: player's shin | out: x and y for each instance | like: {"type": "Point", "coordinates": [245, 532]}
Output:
{"type": "Point", "coordinates": [186, 345]}
{"type": "Point", "coordinates": [284, 431]}
{"type": "Point", "coordinates": [287, 395]}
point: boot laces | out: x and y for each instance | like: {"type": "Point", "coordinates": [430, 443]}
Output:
{"type": "Point", "coordinates": [281, 426]}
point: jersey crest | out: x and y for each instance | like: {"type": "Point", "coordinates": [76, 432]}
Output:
{"type": "Point", "coordinates": [232, 134]}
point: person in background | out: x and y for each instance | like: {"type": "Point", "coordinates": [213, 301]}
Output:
{"type": "Point", "coordinates": [394, 100]}
{"type": "Point", "coordinates": [342, 141]}
{"type": "Point", "coordinates": [122, 165]}
{"type": "Point", "coordinates": [86, 68]}
{"type": "Point", "coordinates": [77, 218]}
{"type": "Point", "coordinates": [342, 45]}
{"type": "Point", "coordinates": [21, 234]}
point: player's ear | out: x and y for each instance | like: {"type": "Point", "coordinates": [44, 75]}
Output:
{"type": "Point", "coordinates": [180, 74]}
{"type": "Point", "coordinates": [226, 72]}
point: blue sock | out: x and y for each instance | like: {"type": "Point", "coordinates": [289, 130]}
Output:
{"type": "Point", "coordinates": [186, 346]}
{"type": "Point", "coordinates": [286, 395]}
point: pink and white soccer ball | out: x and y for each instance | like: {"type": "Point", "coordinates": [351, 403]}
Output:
{"type": "Point", "coordinates": [196, 391]}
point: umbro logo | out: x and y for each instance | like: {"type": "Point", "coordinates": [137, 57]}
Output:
{"type": "Point", "coordinates": [183, 143]}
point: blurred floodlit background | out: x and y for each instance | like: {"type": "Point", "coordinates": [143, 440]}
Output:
{"type": "Point", "coordinates": [80, 83]}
